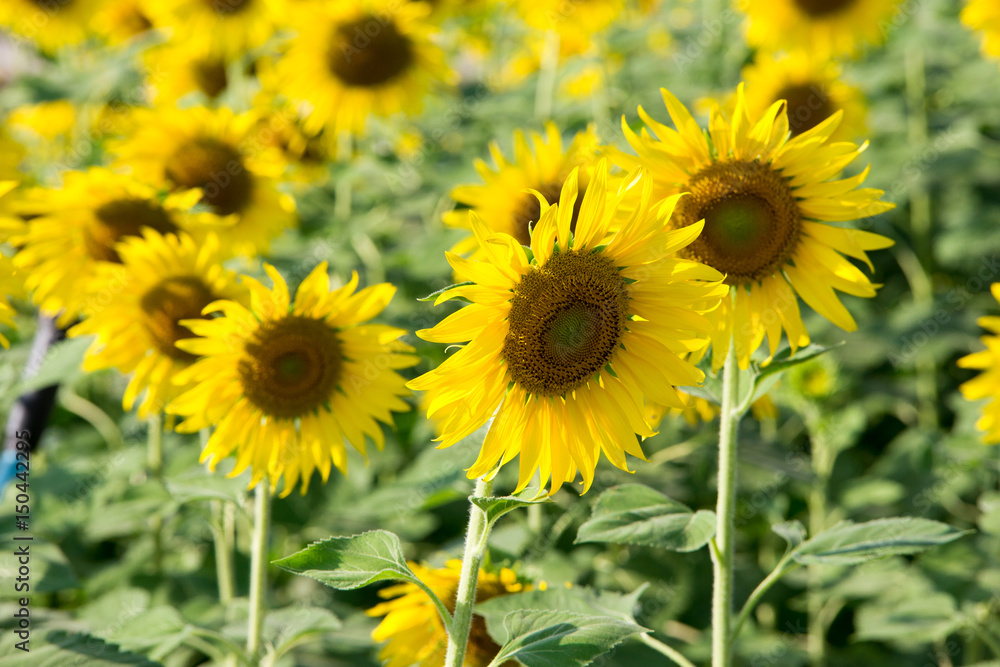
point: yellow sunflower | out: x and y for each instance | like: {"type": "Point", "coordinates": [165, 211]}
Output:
{"type": "Point", "coordinates": [822, 27]}
{"type": "Point", "coordinates": [287, 383]}
{"type": "Point", "coordinates": [76, 227]}
{"type": "Point", "coordinates": [562, 346]}
{"type": "Point", "coordinates": [764, 199]}
{"type": "Point", "coordinates": [11, 155]}
{"type": "Point", "coordinates": [161, 281]}
{"type": "Point", "coordinates": [50, 24]}
{"type": "Point", "coordinates": [176, 70]}
{"type": "Point", "coordinates": [539, 164]}
{"type": "Point", "coordinates": [412, 626]}
{"type": "Point", "coordinates": [226, 27]}
{"type": "Point", "coordinates": [209, 149]}
{"type": "Point", "coordinates": [121, 20]}
{"type": "Point", "coordinates": [986, 385]}
{"type": "Point", "coordinates": [812, 89]}
{"type": "Point", "coordinates": [984, 15]}
{"type": "Point", "coordinates": [10, 285]}
{"type": "Point", "coordinates": [355, 58]}
{"type": "Point", "coordinates": [572, 20]}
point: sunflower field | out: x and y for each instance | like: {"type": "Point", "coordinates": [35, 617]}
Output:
{"type": "Point", "coordinates": [485, 333]}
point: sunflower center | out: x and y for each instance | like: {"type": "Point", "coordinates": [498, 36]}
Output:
{"type": "Point", "coordinates": [169, 302]}
{"type": "Point", "coordinates": [120, 218]}
{"type": "Point", "coordinates": [291, 367]}
{"type": "Point", "coordinates": [566, 320]}
{"type": "Point", "coordinates": [217, 168]}
{"type": "Point", "coordinates": [529, 209]}
{"type": "Point", "coordinates": [752, 221]}
{"type": "Point", "coordinates": [368, 52]}
{"type": "Point", "coordinates": [210, 76]}
{"type": "Point", "coordinates": [808, 106]}
{"type": "Point", "coordinates": [820, 8]}
{"type": "Point", "coordinates": [227, 7]}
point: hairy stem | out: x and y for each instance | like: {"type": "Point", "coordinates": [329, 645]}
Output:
{"type": "Point", "coordinates": [722, 555]}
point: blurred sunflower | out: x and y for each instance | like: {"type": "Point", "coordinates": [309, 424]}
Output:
{"type": "Point", "coordinates": [986, 385]}
{"type": "Point", "coordinates": [984, 15]}
{"type": "Point", "coordinates": [121, 20]}
{"type": "Point", "coordinates": [10, 285]}
{"type": "Point", "coordinates": [51, 25]}
{"type": "Point", "coordinates": [287, 383]}
{"type": "Point", "coordinates": [226, 27]}
{"type": "Point", "coordinates": [11, 155]}
{"type": "Point", "coordinates": [821, 27]}
{"type": "Point", "coordinates": [502, 203]}
{"type": "Point", "coordinates": [695, 410]}
{"type": "Point", "coordinates": [561, 346]}
{"type": "Point", "coordinates": [355, 58]}
{"type": "Point", "coordinates": [176, 70]}
{"type": "Point", "coordinates": [161, 280]}
{"type": "Point", "coordinates": [210, 149]}
{"type": "Point", "coordinates": [413, 628]}
{"type": "Point", "coordinates": [572, 20]}
{"type": "Point", "coordinates": [762, 196]}
{"type": "Point", "coordinates": [812, 88]}
{"type": "Point", "coordinates": [78, 226]}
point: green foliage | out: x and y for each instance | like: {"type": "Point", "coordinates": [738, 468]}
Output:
{"type": "Point", "coordinates": [559, 638]}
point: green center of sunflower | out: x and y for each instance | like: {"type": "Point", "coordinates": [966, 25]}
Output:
{"type": "Point", "coordinates": [529, 209]}
{"type": "Point", "coordinates": [808, 106]}
{"type": "Point", "coordinates": [566, 320]}
{"type": "Point", "coordinates": [752, 221]}
{"type": "Point", "coordinates": [210, 76]}
{"type": "Point", "coordinates": [120, 218]}
{"type": "Point", "coordinates": [820, 8]}
{"type": "Point", "coordinates": [169, 302]}
{"type": "Point", "coordinates": [227, 7]}
{"type": "Point", "coordinates": [368, 52]}
{"type": "Point", "coordinates": [291, 367]}
{"type": "Point", "coordinates": [217, 168]}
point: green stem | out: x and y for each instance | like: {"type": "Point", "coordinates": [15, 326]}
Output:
{"type": "Point", "coordinates": [343, 194]}
{"type": "Point", "coordinates": [666, 650]}
{"type": "Point", "coordinates": [722, 555]}
{"type": "Point", "coordinates": [154, 458]}
{"type": "Point", "coordinates": [816, 631]}
{"type": "Point", "coordinates": [222, 520]}
{"type": "Point", "coordinates": [784, 565]}
{"type": "Point", "coordinates": [465, 600]}
{"type": "Point", "coordinates": [258, 567]}
{"type": "Point", "coordinates": [548, 68]}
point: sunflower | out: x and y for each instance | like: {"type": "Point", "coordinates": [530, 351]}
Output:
{"type": "Point", "coordinates": [502, 201]}
{"type": "Point", "coordinates": [572, 20]}
{"type": "Point", "coordinates": [226, 27]}
{"type": "Point", "coordinates": [76, 227]}
{"type": "Point", "coordinates": [209, 149]}
{"type": "Point", "coordinates": [177, 70]}
{"type": "Point", "coordinates": [50, 24]}
{"type": "Point", "coordinates": [11, 155]}
{"type": "Point", "coordinates": [984, 15]}
{"type": "Point", "coordinates": [823, 27]}
{"type": "Point", "coordinates": [121, 20]}
{"type": "Point", "coordinates": [413, 628]}
{"type": "Point", "coordinates": [762, 197]}
{"type": "Point", "coordinates": [285, 384]}
{"type": "Point", "coordinates": [987, 383]}
{"type": "Point", "coordinates": [161, 280]}
{"type": "Point", "coordinates": [9, 286]}
{"type": "Point", "coordinates": [695, 410]}
{"type": "Point", "coordinates": [562, 346]}
{"type": "Point", "coordinates": [355, 58]}
{"type": "Point", "coordinates": [811, 88]}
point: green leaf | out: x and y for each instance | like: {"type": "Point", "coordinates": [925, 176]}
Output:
{"type": "Point", "coordinates": [61, 365]}
{"type": "Point", "coordinates": [920, 619]}
{"type": "Point", "coordinates": [434, 295]}
{"type": "Point", "coordinates": [765, 377]}
{"type": "Point", "coordinates": [58, 648]}
{"type": "Point", "coordinates": [637, 514]}
{"type": "Point", "coordinates": [496, 507]}
{"type": "Point", "coordinates": [198, 486]}
{"type": "Point", "coordinates": [346, 563]}
{"type": "Point", "coordinates": [850, 543]}
{"type": "Point", "coordinates": [560, 639]}
{"type": "Point", "coordinates": [289, 627]}
{"type": "Point", "coordinates": [792, 532]}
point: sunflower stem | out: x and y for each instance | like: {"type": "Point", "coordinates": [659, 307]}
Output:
{"type": "Point", "coordinates": [665, 649]}
{"type": "Point", "coordinates": [465, 599]}
{"type": "Point", "coordinates": [345, 151]}
{"type": "Point", "coordinates": [722, 560]}
{"type": "Point", "coordinates": [258, 568]}
{"type": "Point", "coordinates": [548, 68]}
{"type": "Point", "coordinates": [154, 461]}
{"type": "Point", "coordinates": [222, 521]}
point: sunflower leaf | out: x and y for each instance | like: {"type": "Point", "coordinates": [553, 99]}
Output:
{"type": "Point", "coordinates": [765, 377]}
{"type": "Point", "coordinates": [850, 543]}
{"type": "Point", "coordinates": [496, 507]}
{"type": "Point", "coordinates": [637, 514]}
{"type": "Point", "coordinates": [346, 563]}
{"type": "Point", "coordinates": [434, 295]}
{"type": "Point", "coordinates": [539, 638]}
